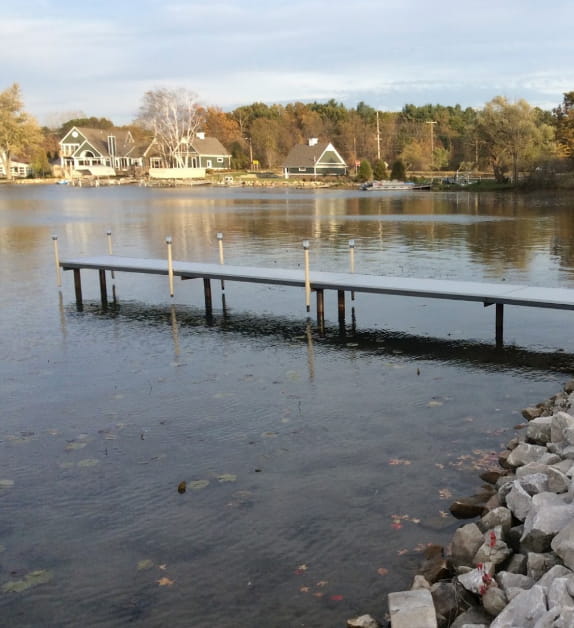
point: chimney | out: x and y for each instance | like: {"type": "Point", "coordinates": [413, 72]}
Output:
{"type": "Point", "coordinates": [200, 136]}
{"type": "Point", "coordinates": [313, 141]}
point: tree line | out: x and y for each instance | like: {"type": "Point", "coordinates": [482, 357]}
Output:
{"type": "Point", "coordinates": [504, 137]}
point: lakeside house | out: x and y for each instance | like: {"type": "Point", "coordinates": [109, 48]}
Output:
{"type": "Point", "coordinates": [19, 168]}
{"type": "Point", "coordinates": [314, 159]}
{"type": "Point", "coordinates": [101, 152]}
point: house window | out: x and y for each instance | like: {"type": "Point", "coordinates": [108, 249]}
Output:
{"type": "Point", "coordinates": [220, 160]}
{"type": "Point", "coordinates": [209, 164]}
{"type": "Point", "coordinates": [302, 169]}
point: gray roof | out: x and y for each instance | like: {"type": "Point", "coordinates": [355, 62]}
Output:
{"type": "Point", "coordinates": [305, 156]}
{"type": "Point", "coordinates": [208, 146]}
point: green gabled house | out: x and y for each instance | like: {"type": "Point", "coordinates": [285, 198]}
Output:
{"type": "Point", "coordinates": [315, 159]}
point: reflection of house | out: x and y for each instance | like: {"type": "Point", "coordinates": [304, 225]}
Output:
{"type": "Point", "coordinates": [19, 169]}
{"type": "Point", "coordinates": [100, 151]}
{"type": "Point", "coordinates": [198, 152]}
{"type": "Point", "coordinates": [314, 159]}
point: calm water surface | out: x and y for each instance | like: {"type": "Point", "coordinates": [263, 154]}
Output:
{"type": "Point", "coordinates": [317, 467]}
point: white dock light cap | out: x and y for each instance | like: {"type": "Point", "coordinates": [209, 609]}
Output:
{"type": "Point", "coordinates": [305, 244]}
{"type": "Point", "coordinates": [219, 235]}
{"type": "Point", "coordinates": [168, 240]}
{"type": "Point", "coordinates": [351, 244]}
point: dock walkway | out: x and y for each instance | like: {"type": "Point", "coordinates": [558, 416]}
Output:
{"type": "Point", "coordinates": [498, 294]}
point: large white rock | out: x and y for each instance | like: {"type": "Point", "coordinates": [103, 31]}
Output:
{"type": "Point", "coordinates": [525, 453]}
{"type": "Point", "coordinates": [500, 516]}
{"type": "Point", "coordinates": [539, 429]}
{"type": "Point", "coordinates": [558, 594]}
{"type": "Point", "coordinates": [557, 480]}
{"type": "Point", "coordinates": [518, 501]}
{"type": "Point", "coordinates": [507, 580]}
{"type": "Point", "coordinates": [524, 610]}
{"type": "Point", "coordinates": [562, 428]}
{"type": "Point", "coordinates": [548, 514]}
{"type": "Point", "coordinates": [412, 608]}
{"type": "Point", "coordinates": [563, 545]}
{"type": "Point", "coordinates": [465, 543]}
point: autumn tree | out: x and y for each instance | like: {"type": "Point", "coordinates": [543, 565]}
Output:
{"type": "Point", "coordinates": [173, 116]}
{"type": "Point", "coordinates": [19, 132]}
{"type": "Point", "coordinates": [564, 123]}
{"type": "Point", "coordinates": [513, 135]}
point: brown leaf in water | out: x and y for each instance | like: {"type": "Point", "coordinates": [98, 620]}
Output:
{"type": "Point", "coordinates": [304, 589]}
{"type": "Point", "coordinates": [165, 582]}
{"type": "Point", "coordinates": [382, 571]}
{"type": "Point", "coordinates": [181, 487]}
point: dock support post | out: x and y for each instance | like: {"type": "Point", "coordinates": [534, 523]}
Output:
{"type": "Point", "coordinates": [103, 288]}
{"type": "Point", "coordinates": [341, 307]}
{"type": "Point", "coordinates": [221, 261]}
{"type": "Point", "coordinates": [78, 287]}
{"type": "Point", "coordinates": [57, 259]}
{"type": "Point", "coordinates": [169, 241]}
{"type": "Point", "coordinates": [207, 292]}
{"type": "Point", "coordinates": [320, 308]}
{"type": "Point", "coordinates": [109, 235]}
{"type": "Point", "coordinates": [499, 324]}
{"type": "Point", "coordinates": [352, 262]}
{"type": "Point", "coordinates": [307, 277]}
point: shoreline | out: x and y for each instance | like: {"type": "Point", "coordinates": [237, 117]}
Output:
{"type": "Point", "coordinates": [514, 566]}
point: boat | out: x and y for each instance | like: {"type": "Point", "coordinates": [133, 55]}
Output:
{"type": "Point", "coordinates": [375, 186]}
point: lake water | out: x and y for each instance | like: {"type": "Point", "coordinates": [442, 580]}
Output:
{"type": "Point", "coordinates": [317, 467]}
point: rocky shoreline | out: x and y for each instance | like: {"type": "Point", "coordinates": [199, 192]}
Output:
{"type": "Point", "coordinates": [513, 567]}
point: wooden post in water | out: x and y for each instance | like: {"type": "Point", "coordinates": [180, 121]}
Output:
{"type": "Point", "coordinates": [103, 289]}
{"type": "Point", "coordinates": [352, 262]}
{"type": "Point", "coordinates": [78, 288]}
{"type": "Point", "coordinates": [307, 276]}
{"type": "Point", "coordinates": [57, 259]}
{"type": "Point", "coordinates": [220, 243]}
{"type": "Point", "coordinates": [169, 241]}
{"type": "Point", "coordinates": [341, 307]}
{"type": "Point", "coordinates": [499, 324]}
{"type": "Point", "coordinates": [109, 235]}
{"type": "Point", "coordinates": [207, 292]}
{"type": "Point", "coordinates": [321, 308]}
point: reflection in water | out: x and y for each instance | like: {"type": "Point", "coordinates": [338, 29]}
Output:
{"type": "Point", "coordinates": [380, 342]}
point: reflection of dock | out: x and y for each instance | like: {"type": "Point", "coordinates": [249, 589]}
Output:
{"type": "Point", "coordinates": [487, 293]}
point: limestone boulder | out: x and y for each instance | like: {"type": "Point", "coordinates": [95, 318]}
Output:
{"type": "Point", "coordinates": [548, 514]}
{"type": "Point", "coordinates": [562, 428]}
{"type": "Point", "coordinates": [507, 580]}
{"type": "Point", "coordinates": [465, 543]}
{"type": "Point", "coordinates": [518, 501]}
{"type": "Point", "coordinates": [524, 610]}
{"type": "Point", "coordinates": [364, 621]}
{"type": "Point", "coordinates": [557, 571]}
{"type": "Point", "coordinates": [500, 516]}
{"type": "Point", "coordinates": [538, 564]}
{"type": "Point", "coordinates": [563, 545]}
{"type": "Point", "coordinates": [538, 430]}
{"type": "Point", "coordinates": [525, 453]}
{"type": "Point", "coordinates": [412, 608]}
{"type": "Point", "coordinates": [494, 600]}
{"type": "Point", "coordinates": [493, 550]}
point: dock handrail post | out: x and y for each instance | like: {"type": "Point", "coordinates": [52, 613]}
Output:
{"type": "Point", "coordinates": [169, 242]}
{"type": "Point", "coordinates": [352, 262]}
{"type": "Point", "coordinates": [110, 252]}
{"type": "Point", "coordinates": [307, 277]}
{"type": "Point", "coordinates": [220, 243]}
{"type": "Point", "coordinates": [57, 259]}
{"type": "Point", "coordinates": [499, 324]}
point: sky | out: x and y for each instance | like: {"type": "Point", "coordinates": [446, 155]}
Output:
{"type": "Point", "coordinates": [98, 58]}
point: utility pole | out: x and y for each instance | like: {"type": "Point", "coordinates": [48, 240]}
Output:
{"type": "Point", "coordinates": [432, 123]}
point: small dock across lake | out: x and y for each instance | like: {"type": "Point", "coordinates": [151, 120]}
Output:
{"type": "Point", "coordinates": [497, 294]}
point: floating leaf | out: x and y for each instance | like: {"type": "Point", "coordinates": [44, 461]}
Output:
{"type": "Point", "coordinates": [399, 461]}
{"type": "Point", "coordinates": [269, 434]}
{"type": "Point", "coordinates": [75, 445]}
{"type": "Point", "coordinates": [163, 567]}
{"type": "Point", "coordinates": [434, 403]}
{"type": "Point", "coordinates": [382, 571]}
{"type": "Point", "coordinates": [322, 583]}
{"type": "Point", "coordinates": [143, 565]}
{"type": "Point", "coordinates": [301, 569]}
{"type": "Point", "coordinates": [402, 552]}
{"type": "Point", "coordinates": [6, 483]}
{"type": "Point", "coordinates": [304, 589]}
{"type": "Point", "coordinates": [318, 594]}
{"type": "Point", "coordinates": [445, 493]}
{"type": "Point", "coordinates": [197, 485]}
{"type": "Point", "coordinates": [32, 579]}
{"type": "Point", "coordinates": [397, 525]}
{"type": "Point", "coordinates": [181, 487]}
{"type": "Point", "coordinates": [293, 376]}
{"type": "Point", "coordinates": [336, 598]}
{"type": "Point", "coordinates": [88, 462]}
{"type": "Point", "coordinates": [227, 477]}
{"type": "Point", "coordinates": [165, 582]}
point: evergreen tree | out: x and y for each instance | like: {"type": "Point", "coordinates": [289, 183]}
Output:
{"type": "Point", "coordinates": [398, 171]}
{"type": "Point", "coordinates": [380, 170]}
{"type": "Point", "coordinates": [365, 171]}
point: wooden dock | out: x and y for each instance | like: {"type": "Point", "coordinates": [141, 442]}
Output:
{"type": "Point", "coordinates": [497, 294]}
